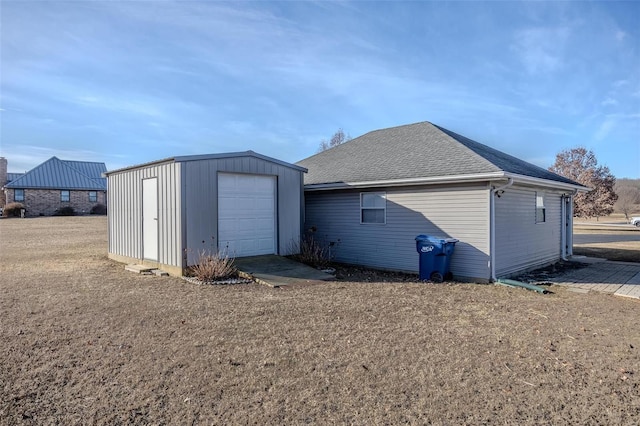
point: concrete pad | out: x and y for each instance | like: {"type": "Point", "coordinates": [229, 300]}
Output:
{"type": "Point", "coordinates": [619, 278]}
{"type": "Point", "coordinates": [139, 269]}
{"type": "Point", "coordinates": [585, 259]}
{"type": "Point", "coordinates": [635, 279]}
{"type": "Point", "coordinates": [277, 271]}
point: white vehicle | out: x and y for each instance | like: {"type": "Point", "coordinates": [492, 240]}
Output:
{"type": "Point", "coordinates": [635, 221]}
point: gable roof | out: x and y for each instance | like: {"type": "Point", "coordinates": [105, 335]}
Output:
{"type": "Point", "coordinates": [13, 176]}
{"type": "Point", "coordinates": [416, 152]}
{"type": "Point", "coordinates": [58, 174]}
{"type": "Point", "coordinates": [185, 158]}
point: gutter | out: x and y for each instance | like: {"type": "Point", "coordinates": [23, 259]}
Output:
{"type": "Point", "coordinates": [471, 178]}
{"type": "Point", "coordinates": [495, 192]}
{"type": "Point", "coordinates": [483, 177]}
{"type": "Point", "coordinates": [522, 179]}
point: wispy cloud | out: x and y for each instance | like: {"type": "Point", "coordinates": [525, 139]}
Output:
{"type": "Point", "coordinates": [612, 122]}
{"type": "Point", "coordinates": [541, 50]}
{"type": "Point", "coordinates": [604, 129]}
{"type": "Point", "coordinates": [125, 105]}
{"type": "Point", "coordinates": [609, 101]}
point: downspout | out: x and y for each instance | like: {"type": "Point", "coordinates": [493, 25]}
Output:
{"type": "Point", "coordinates": [569, 230]}
{"type": "Point", "coordinates": [492, 225]}
{"type": "Point", "coordinates": [563, 227]}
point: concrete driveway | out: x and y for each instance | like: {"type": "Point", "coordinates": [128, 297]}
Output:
{"type": "Point", "coordinates": [618, 278]}
{"type": "Point", "coordinates": [277, 271]}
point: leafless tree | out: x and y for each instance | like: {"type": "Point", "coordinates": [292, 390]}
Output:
{"type": "Point", "coordinates": [338, 138]}
{"type": "Point", "coordinates": [582, 166]}
{"type": "Point", "coordinates": [628, 192]}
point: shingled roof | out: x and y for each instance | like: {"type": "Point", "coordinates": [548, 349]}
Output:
{"type": "Point", "coordinates": [415, 151]}
{"type": "Point", "coordinates": [60, 174]}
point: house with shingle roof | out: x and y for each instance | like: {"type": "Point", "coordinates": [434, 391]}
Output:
{"type": "Point", "coordinates": [367, 200]}
{"type": "Point", "coordinates": [55, 184]}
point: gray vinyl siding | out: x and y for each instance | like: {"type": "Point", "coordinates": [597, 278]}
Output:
{"type": "Point", "coordinates": [460, 212]}
{"type": "Point", "coordinates": [125, 212]}
{"type": "Point", "coordinates": [521, 243]}
{"type": "Point", "coordinates": [201, 195]}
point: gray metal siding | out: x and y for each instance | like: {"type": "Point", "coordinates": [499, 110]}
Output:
{"type": "Point", "coordinates": [125, 212]}
{"type": "Point", "coordinates": [521, 243]}
{"type": "Point", "coordinates": [460, 212]}
{"type": "Point", "coordinates": [201, 195]}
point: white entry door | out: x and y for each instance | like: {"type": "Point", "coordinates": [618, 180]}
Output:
{"type": "Point", "coordinates": [150, 219]}
{"type": "Point", "coordinates": [246, 214]}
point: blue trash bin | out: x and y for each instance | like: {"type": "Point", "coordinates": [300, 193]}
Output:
{"type": "Point", "coordinates": [435, 257]}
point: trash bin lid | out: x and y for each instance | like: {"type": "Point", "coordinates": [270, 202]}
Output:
{"type": "Point", "coordinates": [441, 240]}
{"type": "Point", "coordinates": [435, 240]}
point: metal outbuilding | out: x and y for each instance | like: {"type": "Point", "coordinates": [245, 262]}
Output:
{"type": "Point", "coordinates": [166, 212]}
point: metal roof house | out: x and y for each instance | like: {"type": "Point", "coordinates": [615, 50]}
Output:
{"type": "Point", "coordinates": [164, 213]}
{"type": "Point", "coordinates": [370, 197]}
{"type": "Point", "coordinates": [57, 183]}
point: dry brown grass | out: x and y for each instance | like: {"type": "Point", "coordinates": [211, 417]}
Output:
{"type": "Point", "coordinates": [84, 342]}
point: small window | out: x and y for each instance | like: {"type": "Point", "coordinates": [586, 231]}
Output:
{"type": "Point", "coordinates": [64, 196]}
{"type": "Point", "coordinates": [373, 207]}
{"type": "Point", "coordinates": [541, 214]}
{"type": "Point", "coordinates": [93, 196]}
{"type": "Point", "coordinates": [18, 195]}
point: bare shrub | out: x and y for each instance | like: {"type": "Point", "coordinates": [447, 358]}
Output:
{"type": "Point", "coordinates": [311, 253]}
{"type": "Point", "coordinates": [65, 211]}
{"type": "Point", "coordinates": [12, 210]}
{"type": "Point", "coordinates": [212, 267]}
{"type": "Point", "coordinates": [100, 209]}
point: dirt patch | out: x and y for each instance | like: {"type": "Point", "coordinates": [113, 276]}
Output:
{"type": "Point", "coordinates": [83, 341]}
{"type": "Point", "coordinates": [549, 273]}
{"type": "Point", "coordinates": [350, 273]}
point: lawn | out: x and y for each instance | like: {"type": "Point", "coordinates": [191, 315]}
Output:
{"type": "Point", "coordinates": [623, 250]}
{"type": "Point", "coordinates": [84, 342]}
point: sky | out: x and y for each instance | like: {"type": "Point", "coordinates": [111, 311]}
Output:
{"type": "Point", "coordinates": [126, 82]}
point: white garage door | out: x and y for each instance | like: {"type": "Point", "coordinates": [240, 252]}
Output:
{"type": "Point", "coordinates": [246, 214]}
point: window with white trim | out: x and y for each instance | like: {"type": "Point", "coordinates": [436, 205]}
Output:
{"type": "Point", "coordinates": [18, 195]}
{"type": "Point", "coordinates": [373, 207]}
{"type": "Point", "coordinates": [93, 196]}
{"type": "Point", "coordinates": [541, 213]}
{"type": "Point", "coordinates": [65, 196]}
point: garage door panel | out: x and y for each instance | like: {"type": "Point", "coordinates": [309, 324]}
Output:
{"type": "Point", "coordinates": [264, 244]}
{"type": "Point", "coordinates": [261, 185]}
{"type": "Point", "coordinates": [246, 214]}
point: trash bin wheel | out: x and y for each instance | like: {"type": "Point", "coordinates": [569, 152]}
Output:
{"type": "Point", "coordinates": [436, 277]}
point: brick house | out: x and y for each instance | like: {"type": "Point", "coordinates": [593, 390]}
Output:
{"type": "Point", "coordinates": [55, 184]}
